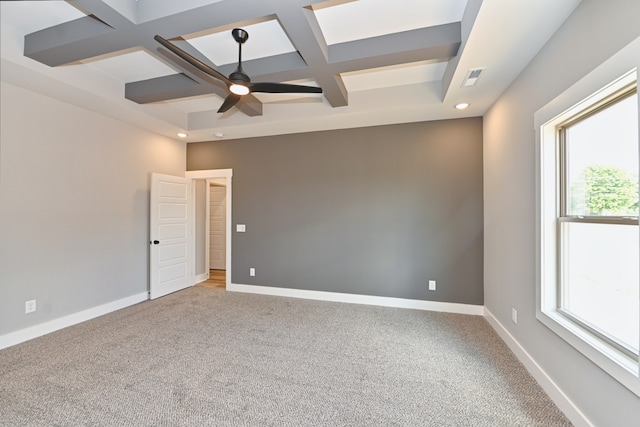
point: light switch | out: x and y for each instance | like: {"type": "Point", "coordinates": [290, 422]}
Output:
{"type": "Point", "coordinates": [241, 228]}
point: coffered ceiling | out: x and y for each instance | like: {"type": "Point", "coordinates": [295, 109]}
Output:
{"type": "Point", "coordinates": [377, 61]}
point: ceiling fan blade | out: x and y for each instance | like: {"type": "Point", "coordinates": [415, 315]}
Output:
{"type": "Point", "coordinates": [229, 102]}
{"type": "Point", "coordinates": [191, 60]}
{"type": "Point", "coordinates": [282, 88]}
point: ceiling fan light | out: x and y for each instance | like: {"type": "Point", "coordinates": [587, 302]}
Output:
{"type": "Point", "coordinates": [239, 89]}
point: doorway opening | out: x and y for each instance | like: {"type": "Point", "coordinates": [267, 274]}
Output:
{"type": "Point", "coordinates": [216, 235]}
{"type": "Point", "coordinates": [212, 218]}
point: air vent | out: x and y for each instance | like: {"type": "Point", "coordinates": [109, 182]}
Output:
{"type": "Point", "coordinates": [472, 77]}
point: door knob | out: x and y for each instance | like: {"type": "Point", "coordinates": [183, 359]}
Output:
{"type": "Point", "coordinates": [156, 242]}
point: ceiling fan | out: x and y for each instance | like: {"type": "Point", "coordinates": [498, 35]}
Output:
{"type": "Point", "coordinates": [238, 82]}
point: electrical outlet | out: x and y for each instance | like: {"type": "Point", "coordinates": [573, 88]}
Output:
{"type": "Point", "coordinates": [432, 285]}
{"type": "Point", "coordinates": [514, 315]}
{"type": "Point", "coordinates": [241, 228]}
{"type": "Point", "coordinates": [252, 271]}
{"type": "Point", "coordinates": [30, 306]}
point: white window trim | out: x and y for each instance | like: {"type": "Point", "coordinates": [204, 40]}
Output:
{"type": "Point", "coordinates": [608, 76]}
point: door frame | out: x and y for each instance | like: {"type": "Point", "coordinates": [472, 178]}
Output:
{"type": "Point", "coordinates": [207, 175]}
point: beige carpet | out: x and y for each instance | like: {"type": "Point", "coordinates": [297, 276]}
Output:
{"type": "Point", "coordinates": [206, 357]}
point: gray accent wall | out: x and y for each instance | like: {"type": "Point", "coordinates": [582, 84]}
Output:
{"type": "Point", "coordinates": [372, 211]}
{"type": "Point", "coordinates": [74, 207]}
{"type": "Point", "coordinates": [592, 34]}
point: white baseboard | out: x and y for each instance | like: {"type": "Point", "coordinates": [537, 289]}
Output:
{"type": "Point", "coordinates": [17, 337]}
{"type": "Point", "coordinates": [556, 394]}
{"type": "Point", "coordinates": [360, 299]}
{"type": "Point", "coordinates": [201, 278]}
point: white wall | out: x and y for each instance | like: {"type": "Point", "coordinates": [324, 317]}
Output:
{"type": "Point", "coordinates": [74, 206]}
{"type": "Point", "coordinates": [595, 31]}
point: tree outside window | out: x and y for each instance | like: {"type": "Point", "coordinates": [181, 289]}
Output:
{"type": "Point", "coordinates": [604, 191]}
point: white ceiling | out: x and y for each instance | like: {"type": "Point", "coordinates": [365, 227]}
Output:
{"type": "Point", "coordinates": [499, 35]}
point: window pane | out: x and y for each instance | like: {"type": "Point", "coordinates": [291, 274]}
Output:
{"type": "Point", "coordinates": [602, 162]}
{"type": "Point", "coordinates": [600, 277]}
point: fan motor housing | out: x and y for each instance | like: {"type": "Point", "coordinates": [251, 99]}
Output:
{"type": "Point", "coordinates": [239, 77]}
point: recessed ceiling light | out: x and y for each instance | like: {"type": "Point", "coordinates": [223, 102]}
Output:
{"type": "Point", "coordinates": [182, 135]}
{"type": "Point", "coordinates": [219, 135]}
{"type": "Point", "coordinates": [462, 106]}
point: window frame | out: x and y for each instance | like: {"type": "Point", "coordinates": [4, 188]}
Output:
{"type": "Point", "coordinates": [594, 90]}
{"type": "Point", "coordinates": [590, 109]}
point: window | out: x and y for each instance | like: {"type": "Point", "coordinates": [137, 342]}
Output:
{"type": "Point", "coordinates": [598, 220]}
{"type": "Point", "coordinates": [588, 230]}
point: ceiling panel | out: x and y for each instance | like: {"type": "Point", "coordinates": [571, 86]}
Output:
{"type": "Point", "coordinates": [265, 39]}
{"type": "Point", "coordinates": [27, 19]}
{"type": "Point", "coordinates": [357, 20]}
{"type": "Point", "coordinates": [132, 66]}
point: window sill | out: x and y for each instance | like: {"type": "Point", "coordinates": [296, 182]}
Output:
{"type": "Point", "coordinates": [615, 363]}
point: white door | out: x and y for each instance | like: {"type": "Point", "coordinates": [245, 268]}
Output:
{"type": "Point", "coordinates": [217, 229]}
{"type": "Point", "coordinates": [169, 232]}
